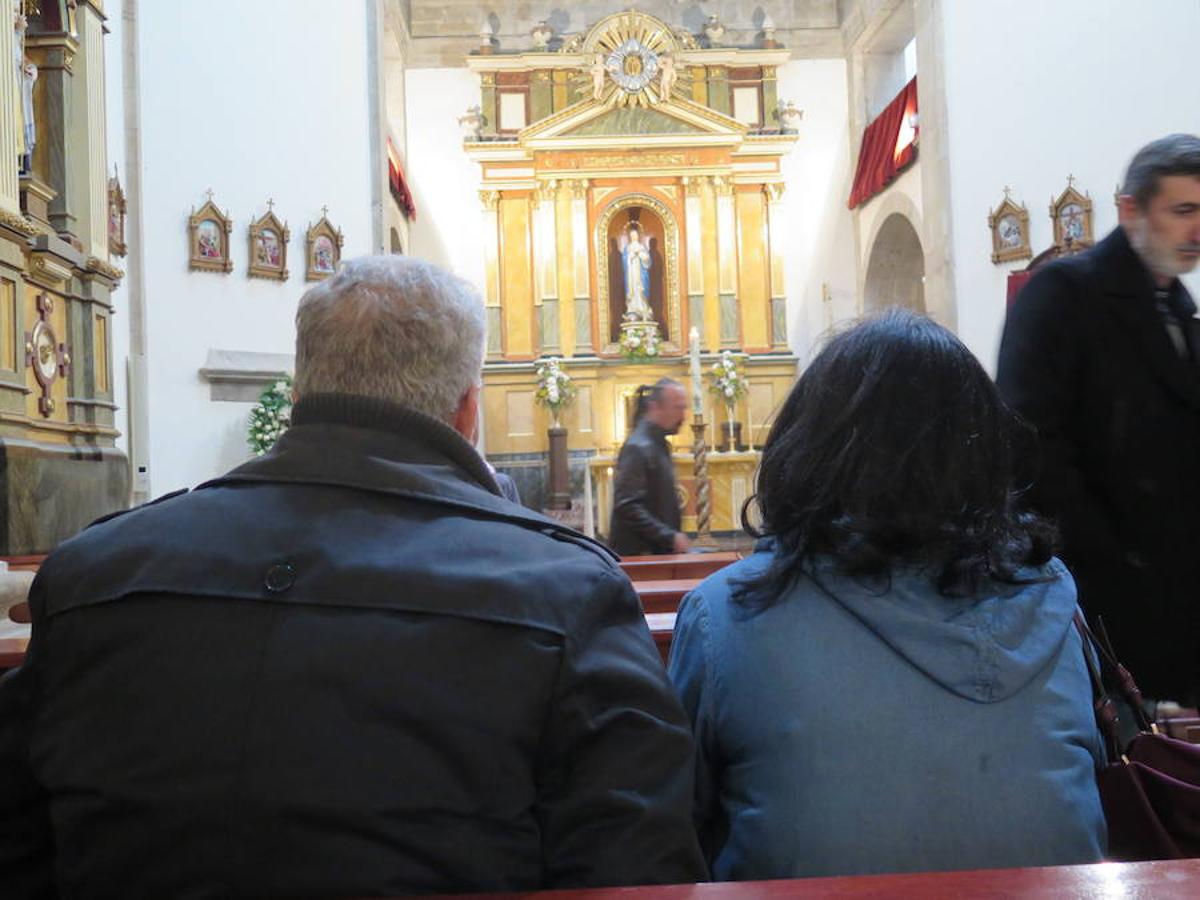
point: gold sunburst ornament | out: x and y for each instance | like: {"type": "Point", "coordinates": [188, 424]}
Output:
{"type": "Point", "coordinates": [630, 48]}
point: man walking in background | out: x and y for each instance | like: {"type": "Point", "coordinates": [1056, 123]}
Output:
{"type": "Point", "coordinates": [646, 515]}
{"type": "Point", "coordinates": [1101, 351]}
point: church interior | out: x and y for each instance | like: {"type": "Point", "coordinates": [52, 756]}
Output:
{"type": "Point", "coordinates": [481, 139]}
{"type": "Point", "coordinates": [700, 190]}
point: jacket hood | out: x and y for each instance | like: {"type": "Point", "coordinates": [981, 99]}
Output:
{"type": "Point", "coordinates": [984, 648]}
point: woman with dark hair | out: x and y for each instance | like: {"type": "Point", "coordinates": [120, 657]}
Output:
{"type": "Point", "coordinates": [892, 681]}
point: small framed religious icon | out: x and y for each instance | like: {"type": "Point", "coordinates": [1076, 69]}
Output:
{"type": "Point", "coordinates": [208, 239]}
{"type": "Point", "coordinates": [324, 243]}
{"type": "Point", "coordinates": [116, 216]}
{"type": "Point", "coordinates": [1071, 214]}
{"type": "Point", "coordinates": [1010, 230]}
{"type": "Point", "coordinates": [268, 246]}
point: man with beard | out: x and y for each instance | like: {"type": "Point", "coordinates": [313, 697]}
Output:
{"type": "Point", "coordinates": [646, 515]}
{"type": "Point", "coordinates": [1101, 352]}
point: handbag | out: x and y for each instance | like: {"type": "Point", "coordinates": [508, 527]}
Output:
{"type": "Point", "coordinates": [1151, 791]}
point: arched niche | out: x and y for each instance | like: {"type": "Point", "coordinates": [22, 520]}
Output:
{"type": "Point", "coordinates": [663, 229]}
{"type": "Point", "coordinates": [895, 267]}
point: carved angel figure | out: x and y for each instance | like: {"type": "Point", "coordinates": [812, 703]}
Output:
{"type": "Point", "coordinates": [667, 76]}
{"type": "Point", "coordinates": [599, 73]}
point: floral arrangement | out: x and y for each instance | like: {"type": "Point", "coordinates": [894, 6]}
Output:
{"type": "Point", "coordinates": [640, 340]}
{"type": "Point", "coordinates": [554, 388]}
{"type": "Point", "coordinates": [726, 381]}
{"type": "Point", "coordinates": [271, 416]}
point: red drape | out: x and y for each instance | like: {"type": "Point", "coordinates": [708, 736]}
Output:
{"type": "Point", "coordinates": [398, 185]}
{"type": "Point", "coordinates": [879, 157]}
{"type": "Point", "coordinates": [1016, 281]}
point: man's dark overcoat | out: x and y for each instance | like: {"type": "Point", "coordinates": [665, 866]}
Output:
{"type": "Point", "coordinates": [348, 668]}
{"type": "Point", "coordinates": [646, 514]}
{"type": "Point", "coordinates": [1087, 358]}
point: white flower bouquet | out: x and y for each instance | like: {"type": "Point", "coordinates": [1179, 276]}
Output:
{"type": "Point", "coordinates": [271, 416]}
{"type": "Point", "coordinates": [554, 388]}
{"type": "Point", "coordinates": [640, 341]}
{"type": "Point", "coordinates": [727, 382]}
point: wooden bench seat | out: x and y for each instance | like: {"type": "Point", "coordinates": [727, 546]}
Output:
{"type": "Point", "coordinates": [1167, 880]}
{"type": "Point", "coordinates": [664, 596]}
{"type": "Point", "coordinates": [12, 652]}
{"type": "Point", "coordinates": [676, 565]}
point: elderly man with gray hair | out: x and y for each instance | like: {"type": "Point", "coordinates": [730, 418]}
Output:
{"type": "Point", "coordinates": [349, 667]}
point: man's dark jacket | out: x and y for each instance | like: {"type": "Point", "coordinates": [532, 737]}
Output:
{"type": "Point", "coordinates": [346, 669]}
{"type": "Point", "coordinates": [646, 513]}
{"type": "Point", "coordinates": [1087, 359]}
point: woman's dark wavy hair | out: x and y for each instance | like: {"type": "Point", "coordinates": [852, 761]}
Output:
{"type": "Point", "coordinates": [894, 447]}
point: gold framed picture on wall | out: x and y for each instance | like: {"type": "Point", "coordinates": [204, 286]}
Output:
{"type": "Point", "coordinates": [324, 249]}
{"type": "Point", "coordinates": [208, 239]}
{"type": "Point", "coordinates": [1010, 230]}
{"type": "Point", "coordinates": [268, 246]}
{"type": "Point", "coordinates": [1071, 214]}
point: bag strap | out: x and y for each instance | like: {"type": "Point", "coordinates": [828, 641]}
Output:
{"type": "Point", "coordinates": [1102, 704]}
{"type": "Point", "coordinates": [1124, 680]}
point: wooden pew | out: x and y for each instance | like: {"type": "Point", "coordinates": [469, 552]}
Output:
{"type": "Point", "coordinates": [1167, 880]}
{"type": "Point", "coordinates": [24, 563]}
{"type": "Point", "coordinates": [676, 565]}
{"type": "Point", "coordinates": [664, 596]}
{"type": "Point", "coordinates": [662, 629]}
{"type": "Point", "coordinates": [12, 652]}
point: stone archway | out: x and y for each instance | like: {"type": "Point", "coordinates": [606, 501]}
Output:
{"type": "Point", "coordinates": [895, 268]}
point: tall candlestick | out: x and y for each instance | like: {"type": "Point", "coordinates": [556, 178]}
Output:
{"type": "Point", "coordinates": [694, 367]}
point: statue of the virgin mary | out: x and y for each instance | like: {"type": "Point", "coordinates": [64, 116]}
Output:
{"type": "Point", "coordinates": [635, 259]}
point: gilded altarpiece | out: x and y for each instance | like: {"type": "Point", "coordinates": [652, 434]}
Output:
{"type": "Point", "coordinates": [632, 148]}
{"type": "Point", "coordinates": [59, 467]}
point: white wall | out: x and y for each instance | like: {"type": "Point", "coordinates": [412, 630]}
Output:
{"type": "Point", "coordinates": [255, 100]}
{"type": "Point", "coordinates": [443, 180]}
{"type": "Point", "coordinates": [819, 229]}
{"type": "Point", "coordinates": [1037, 91]}
{"type": "Point", "coordinates": [114, 107]}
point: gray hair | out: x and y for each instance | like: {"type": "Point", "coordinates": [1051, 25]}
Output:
{"type": "Point", "coordinates": [391, 327]}
{"type": "Point", "coordinates": [1175, 154]}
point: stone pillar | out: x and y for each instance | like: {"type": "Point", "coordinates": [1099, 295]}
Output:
{"type": "Point", "coordinates": [565, 266]}
{"type": "Point", "coordinates": [770, 96]}
{"type": "Point", "coordinates": [778, 290]}
{"type": "Point", "coordinates": [710, 265]}
{"type": "Point", "coordinates": [491, 268]}
{"type": "Point", "coordinates": [718, 89]}
{"type": "Point", "coordinates": [488, 103]}
{"type": "Point", "coordinates": [699, 85]}
{"type": "Point", "coordinates": [560, 482]}
{"type": "Point", "coordinates": [55, 55]}
{"type": "Point", "coordinates": [546, 265]}
{"type": "Point", "coordinates": [585, 341]}
{"type": "Point", "coordinates": [727, 261]}
{"type": "Point", "coordinates": [692, 186]}
{"type": "Point", "coordinates": [541, 97]}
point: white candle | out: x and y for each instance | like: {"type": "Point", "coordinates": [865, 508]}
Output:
{"type": "Point", "coordinates": [694, 366]}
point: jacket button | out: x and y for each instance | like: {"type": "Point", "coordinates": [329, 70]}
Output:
{"type": "Point", "coordinates": [280, 577]}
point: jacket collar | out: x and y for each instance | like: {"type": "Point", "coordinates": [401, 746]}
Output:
{"type": "Point", "coordinates": [652, 431]}
{"type": "Point", "coordinates": [1128, 289]}
{"type": "Point", "coordinates": [382, 447]}
{"type": "Point", "coordinates": [420, 435]}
